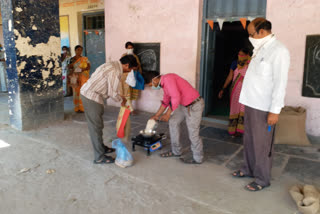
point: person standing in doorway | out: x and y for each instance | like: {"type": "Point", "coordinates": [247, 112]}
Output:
{"type": "Point", "coordinates": [103, 84]}
{"type": "Point", "coordinates": [134, 95]}
{"type": "Point", "coordinates": [236, 118]}
{"type": "Point", "coordinates": [184, 102]}
{"type": "Point", "coordinates": [79, 74]}
{"type": "Point", "coordinates": [263, 93]}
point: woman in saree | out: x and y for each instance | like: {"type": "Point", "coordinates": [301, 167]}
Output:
{"type": "Point", "coordinates": [79, 74]}
{"type": "Point", "coordinates": [236, 118]}
{"type": "Point", "coordinates": [130, 51]}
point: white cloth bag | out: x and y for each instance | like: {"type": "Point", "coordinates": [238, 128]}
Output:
{"type": "Point", "coordinates": [131, 80]}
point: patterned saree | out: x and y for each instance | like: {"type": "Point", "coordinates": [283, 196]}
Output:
{"type": "Point", "coordinates": [236, 118]}
{"type": "Point", "coordinates": [82, 78]}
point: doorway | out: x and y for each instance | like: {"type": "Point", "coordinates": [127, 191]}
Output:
{"type": "Point", "coordinates": [220, 47]}
{"type": "Point", "coordinates": [229, 40]}
{"type": "Point", "coordinates": [94, 39]}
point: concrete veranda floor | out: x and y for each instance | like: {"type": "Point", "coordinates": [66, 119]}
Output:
{"type": "Point", "coordinates": [152, 185]}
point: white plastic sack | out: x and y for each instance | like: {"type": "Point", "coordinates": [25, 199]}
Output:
{"type": "Point", "coordinates": [151, 125]}
{"type": "Point", "coordinates": [131, 80]}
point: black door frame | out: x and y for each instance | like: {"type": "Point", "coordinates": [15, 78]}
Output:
{"type": "Point", "coordinates": [203, 62]}
{"type": "Point", "coordinates": [83, 28]}
{"type": "Point", "coordinates": [202, 85]}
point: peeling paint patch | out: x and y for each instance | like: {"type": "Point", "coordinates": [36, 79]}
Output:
{"type": "Point", "coordinates": [19, 9]}
{"type": "Point", "coordinates": [51, 83]}
{"type": "Point", "coordinates": [50, 65]}
{"type": "Point", "coordinates": [22, 66]}
{"type": "Point", "coordinates": [57, 72]}
{"type": "Point", "coordinates": [48, 51]}
{"type": "Point", "coordinates": [45, 74]}
{"type": "Point", "coordinates": [32, 42]}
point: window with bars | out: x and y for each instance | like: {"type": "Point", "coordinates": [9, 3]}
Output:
{"type": "Point", "coordinates": [94, 22]}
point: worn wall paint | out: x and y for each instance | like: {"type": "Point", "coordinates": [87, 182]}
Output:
{"type": "Point", "coordinates": [47, 54]}
{"type": "Point", "coordinates": [300, 18]}
{"type": "Point", "coordinates": [174, 24]}
{"type": "Point", "coordinates": [31, 31]}
{"type": "Point", "coordinates": [36, 45]}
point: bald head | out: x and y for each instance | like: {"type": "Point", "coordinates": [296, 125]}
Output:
{"type": "Point", "coordinates": [259, 28]}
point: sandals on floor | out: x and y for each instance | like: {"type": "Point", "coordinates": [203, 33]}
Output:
{"type": "Point", "coordinates": [168, 154]}
{"type": "Point", "coordinates": [109, 150]}
{"type": "Point", "coordinates": [239, 174]}
{"type": "Point", "coordinates": [189, 161]}
{"type": "Point", "coordinates": [104, 160]}
{"type": "Point", "coordinates": [254, 187]}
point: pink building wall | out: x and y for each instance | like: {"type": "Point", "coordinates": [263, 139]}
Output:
{"type": "Point", "coordinates": [174, 24]}
{"type": "Point", "coordinates": [292, 21]}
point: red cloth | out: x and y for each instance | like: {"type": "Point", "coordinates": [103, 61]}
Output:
{"type": "Point", "coordinates": [122, 119]}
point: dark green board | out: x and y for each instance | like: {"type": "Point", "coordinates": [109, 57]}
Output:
{"type": "Point", "coordinates": [311, 78]}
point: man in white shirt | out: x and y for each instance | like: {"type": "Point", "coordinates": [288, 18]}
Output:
{"type": "Point", "coordinates": [262, 93]}
{"type": "Point", "coordinates": [103, 84]}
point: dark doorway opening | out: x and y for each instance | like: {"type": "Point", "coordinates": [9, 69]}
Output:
{"type": "Point", "coordinates": [94, 39]}
{"type": "Point", "coordinates": [228, 41]}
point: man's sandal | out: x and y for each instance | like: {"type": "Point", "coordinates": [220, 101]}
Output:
{"type": "Point", "coordinates": [238, 174]}
{"type": "Point", "coordinates": [168, 154]}
{"type": "Point", "coordinates": [109, 150]}
{"type": "Point", "coordinates": [254, 187]}
{"type": "Point", "coordinates": [189, 161]}
{"type": "Point", "coordinates": [104, 160]}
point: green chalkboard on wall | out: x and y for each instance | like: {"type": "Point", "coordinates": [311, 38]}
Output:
{"type": "Point", "coordinates": [311, 79]}
{"type": "Point", "coordinates": [149, 55]}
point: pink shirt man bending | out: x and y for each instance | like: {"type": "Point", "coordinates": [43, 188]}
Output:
{"type": "Point", "coordinates": [180, 101]}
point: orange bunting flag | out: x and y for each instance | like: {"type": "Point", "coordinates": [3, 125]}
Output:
{"type": "Point", "coordinates": [97, 32]}
{"type": "Point", "coordinates": [86, 32]}
{"type": "Point", "coordinates": [210, 22]}
{"type": "Point", "coordinates": [243, 22]}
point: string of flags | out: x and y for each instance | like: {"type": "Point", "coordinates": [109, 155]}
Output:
{"type": "Point", "coordinates": [220, 21]}
{"type": "Point", "coordinates": [97, 32]}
